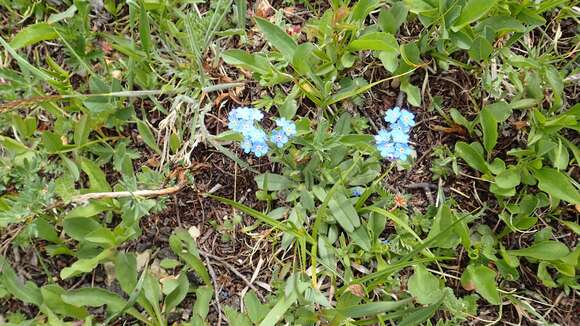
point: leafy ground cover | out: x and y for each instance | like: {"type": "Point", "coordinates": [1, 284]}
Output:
{"type": "Point", "coordinates": [233, 162]}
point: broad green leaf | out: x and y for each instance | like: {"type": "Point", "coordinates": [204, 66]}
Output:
{"type": "Point", "coordinates": [254, 308]}
{"type": "Point", "coordinates": [101, 235]}
{"type": "Point", "coordinates": [243, 59]}
{"type": "Point", "coordinates": [391, 19]}
{"type": "Point", "coordinates": [147, 135]}
{"type": "Point", "coordinates": [97, 179]}
{"type": "Point", "coordinates": [503, 24]}
{"type": "Point", "coordinates": [203, 296]}
{"type": "Point", "coordinates": [279, 310]}
{"type": "Point", "coordinates": [361, 237]}
{"type": "Point", "coordinates": [33, 34]}
{"type": "Point", "coordinates": [55, 18]}
{"type": "Point", "coordinates": [97, 297]}
{"type": "Point", "coordinates": [84, 265]}
{"type": "Point", "coordinates": [557, 184]}
{"type": "Point", "coordinates": [472, 11]}
{"type": "Point", "coordinates": [27, 292]}
{"type": "Point", "coordinates": [51, 295]}
{"type": "Point", "coordinates": [482, 278]}
{"type": "Point", "coordinates": [480, 49]}
{"type": "Point", "coordinates": [343, 211]}
{"type": "Point", "coordinates": [509, 178]}
{"type": "Point", "coordinates": [374, 308]}
{"type": "Point", "coordinates": [272, 182]}
{"type": "Point", "coordinates": [234, 317]}
{"type": "Point", "coordinates": [499, 110]}
{"type": "Point", "coordinates": [377, 41]}
{"type": "Point", "coordinates": [413, 93]}
{"type": "Point", "coordinates": [174, 298]}
{"type": "Point", "coordinates": [420, 315]}
{"type": "Point", "coordinates": [78, 227]}
{"type": "Point", "coordinates": [424, 286]}
{"type": "Point", "coordinates": [442, 221]}
{"type": "Point", "coordinates": [126, 271]}
{"type": "Point", "coordinates": [545, 250]}
{"type": "Point", "coordinates": [278, 38]}
{"type": "Point", "coordinates": [489, 129]}
{"type": "Point", "coordinates": [473, 158]}
{"type": "Point", "coordinates": [572, 226]}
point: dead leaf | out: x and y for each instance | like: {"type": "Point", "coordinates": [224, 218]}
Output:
{"type": "Point", "coordinates": [520, 124]}
{"type": "Point", "coordinates": [454, 129]}
{"type": "Point", "coordinates": [264, 9]}
{"type": "Point", "coordinates": [357, 290]}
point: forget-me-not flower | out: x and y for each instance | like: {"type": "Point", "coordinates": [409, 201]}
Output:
{"type": "Point", "coordinates": [393, 144]}
{"type": "Point", "coordinates": [392, 115]}
{"type": "Point", "coordinates": [357, 191]}
{"type": "Point", "coordinates": [243, 120]}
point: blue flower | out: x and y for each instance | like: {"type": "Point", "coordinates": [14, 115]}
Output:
{"type": "Point", "coordinates": [279, 138]}
{"type": "Point", "coordinates": [399, 136]}
{"type": "Point", "coordinates": [260, 149]}
{"type": "Point", "coordinates": [392, 115]}
{"type": "Point", "coordinates": [383, 136]}
{"type": "Point", "coordinates": [402, 151]}
{"type": "Point", "coordinates": [288, 126]}
{"type": "Point", "coordinates": [357, 191]}
{"type": "Point", "coordinates": [393, 143]}
{"type": "Point", "coordinates": [243, 120]}
{"type": "Point", "coordinates": [407, 118]}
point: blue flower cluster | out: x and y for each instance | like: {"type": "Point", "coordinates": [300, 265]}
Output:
{"type": "Point", "coordinates": [393, 143]}
{"type": "Point", "coordinates": [244, 120]}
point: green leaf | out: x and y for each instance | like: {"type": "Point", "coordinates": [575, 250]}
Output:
{"type": "Point", "coordinates": [489, 129]}
{"type": "Point", "coordinates": [557, 184]}
{"type": "Point", "coordinates": [499, 110]}
{"type": "Point", "coordinates": [377, 41]}
{"type": "Point", "coordinates": [236, 318]}
{"type": "Point", "coordinates": [420, 315]}
{"type": "Point", "coordinates": [413, 93]}
{"type": "Point", "coordinates": [97, 179]}
{"type": "Point", "coordinates": [279, 310]}
{"type": "Point", "coordinates": [126, 271]}
{"type": "Point", "coordinates": [254, 308]}
{"type": "Point", "coordinates": [473, 158]}
{"type": "Point", "coordinates": [509, 178]}
{"type": "Point", "coordinates": [361, 237]}
{"type": "Point", "coordinates": [373, 308]}
{"type": "Point", "coordinates": [424, 286]}
{"type": "Point", "coordinates": [391, 19]}
{"type": "Point", "coordinates": [482, 278]}
{"type": "Point", "coordinates": [78, 227]}
{"type": "Point", "coordinates": [33, 34]}
{"type": "Point", "coordinates": [51, 295]}
{"type": "Point", "coordinates": [480, 49]}
{"type": "Point", "coordinates": [96, 297]}
{"type": "Point", "coordinates": [69, 13]}
{"type": "Point", "coordinates": [272, 182]}
{"type": "Point", "coordinates": [343, 211]}
{"type": "Point", "coordinates": [545, 250]}
{"type": "Point", "coordinates": [174, 298]}
{"type": "Point", "coordinates": [472, 11]}
{"type": "Point", "coordinates": [203, 296]}
{"type": "Point", "coordinates": [243, 59]}
{"type": "Point", "coordinates": [84, 265]}
{"type": "Point", "coordinates": [147, 135]}
{"type": "Point", "coordinates": [278, 38]}
{"type": "Point", "coordinates": [27, 292]}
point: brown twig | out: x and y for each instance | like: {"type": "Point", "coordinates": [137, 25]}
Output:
{"type": "Point", "coordinates": [215, 290]}
{"type": "Point", "coordinates": [233, 270]}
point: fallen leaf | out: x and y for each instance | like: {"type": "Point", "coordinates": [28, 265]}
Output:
{"type": "Point", "coordinates": [357, 290]}
{"type": "Point", "coordinates": [264, 9]}
{"type": "Point", "coordinates": [454, 129]}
